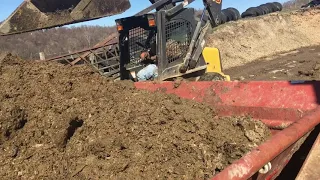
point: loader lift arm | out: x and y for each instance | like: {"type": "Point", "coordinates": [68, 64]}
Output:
{"type": "Point", "coordinates": [34, 15]}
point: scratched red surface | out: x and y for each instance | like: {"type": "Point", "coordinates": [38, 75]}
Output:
{"type": "Point", "coordinates": [277, 101]}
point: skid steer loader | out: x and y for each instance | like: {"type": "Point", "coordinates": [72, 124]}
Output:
{"type": "Point", "coordinates": [179, 35]}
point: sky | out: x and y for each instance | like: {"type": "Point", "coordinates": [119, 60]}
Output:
{"type": "Point", "coordinates": [8, 6]}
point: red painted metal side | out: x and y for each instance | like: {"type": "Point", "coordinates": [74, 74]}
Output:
{"type": "Point", "coordinates": [274, 94]}
{"type": "Point", "coordinates": [280, 105]}
{"type": "Point", "coordinates": [310, 169]}
{"type": "Point", "coordinates": [277, 101]}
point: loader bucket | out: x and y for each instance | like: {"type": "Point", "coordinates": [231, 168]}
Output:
{"type": "Point", "coordinates": [34, 15]}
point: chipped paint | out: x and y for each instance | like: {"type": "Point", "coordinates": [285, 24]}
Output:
{"type": "Point", "coordinates": [238, 171]}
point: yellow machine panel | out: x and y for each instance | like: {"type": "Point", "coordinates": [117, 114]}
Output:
{"type": "Point", "coordinates": [213, 60]}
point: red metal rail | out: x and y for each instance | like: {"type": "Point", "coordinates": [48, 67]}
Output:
{"type": "Point", "coordinates": [104, 59]}
{"type": "Point", "coordinates": [250, 164]}
{"type": "Point", "coordinates": [112, 39]}
{"type": "Point", "coordinates": [82, 54]}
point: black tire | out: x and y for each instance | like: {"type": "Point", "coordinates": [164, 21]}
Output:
{"type": "Point", "coordinates": [251, 12]}
{"type": "Point", "coordinates": [223, 18]}
{"type": "Point", "coordinates": [272, 7]}
{"type": "Point", "coordinates": [248, 14]}
{"type": "Point", "coordinates": [257, 10]}
{"type": "Point", "coordinates": [278, 5]}
{"type": "Point", "coordinates": [235, 13]}
{"type": "Point", "coordinates": [211, 77]}
{"type": "Point", "coordinates": [232, 15]}
{"type": "Point", "coordinates": [266, 8]}
{"type": "Point", "coordinates": [228, 14]}
{"type": "Point", "coordinates": [262, 10]}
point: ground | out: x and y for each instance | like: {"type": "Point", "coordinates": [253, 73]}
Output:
{"type": "Point", "coordinates": [70, 123]}
{"type": "Point", "coordinates": [299, 64]}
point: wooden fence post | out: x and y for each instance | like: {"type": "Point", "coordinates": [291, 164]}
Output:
{"type": "Point", "coordinates": [42, 56]}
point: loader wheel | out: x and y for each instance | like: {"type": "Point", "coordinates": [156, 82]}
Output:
{"type": "Point", "coordinates": [235, 13]}
{"type": "Point", "coordinates": [211, 77]}
{"type": "Point", "coordinates": [278, 5]}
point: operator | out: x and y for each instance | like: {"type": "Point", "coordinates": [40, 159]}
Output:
{"type": "Point", "coordinates": [312, 4]}
{"type": "Point", "coordinates": [150, 72]}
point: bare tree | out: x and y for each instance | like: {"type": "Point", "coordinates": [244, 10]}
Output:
{"type": "Point", "coordinates": [294, 4]}
{"type": "Point", "coordinates": [55, 41]}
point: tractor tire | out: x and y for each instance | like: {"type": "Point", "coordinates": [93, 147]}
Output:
{"type": "Point", "coordinates": [272, 7]}
{"type": "Point", "coordinates": [223, 18]}
{"type": "Point", "coordinates": [228, 14]}
{"type": "Point", "coordinates": [278, 5]}
{"type": "Point", "coordinates": [259, 11]}
{"type": "Point", "coordinates": [251, 12]}
{"type": "Point", "coordinates": [211, 77]}
{"type": "Point", "coordinates": [264, 9]}
{"type": "Point", "coordinates": [248, 14]}
{"type": "Point", "coordinates": [235, 13]}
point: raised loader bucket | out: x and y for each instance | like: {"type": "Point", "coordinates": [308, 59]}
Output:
{"type": "Point", "coordinates": [290, 110]}
{"type": "Point", "coordinates": [42, 14]}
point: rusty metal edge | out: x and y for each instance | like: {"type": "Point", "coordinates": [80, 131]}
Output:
{"type": "Point", "coordinates": [102, 43]}
{"type": "Point", "coordinates": [59, 25]}
{"type": "Point", "coordinates": [248, 165]}
{"type": "Point", "coordinates": [81, 51]}
{"type": "Point", "coordinates": [10, 16]}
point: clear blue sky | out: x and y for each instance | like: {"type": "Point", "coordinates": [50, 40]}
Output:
{"type": "Point", "coordinates": [8, 6]}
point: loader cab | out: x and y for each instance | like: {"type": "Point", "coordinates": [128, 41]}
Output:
{"type": "Point", "coordinates": [172, 35]}
{"type": "Point", "coordinates": [136, 34]}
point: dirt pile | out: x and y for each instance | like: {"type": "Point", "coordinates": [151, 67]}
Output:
{"type": "Point", "coordinates": [58, 123]}
{"type": "Point", "coordinates": [253, 38]}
